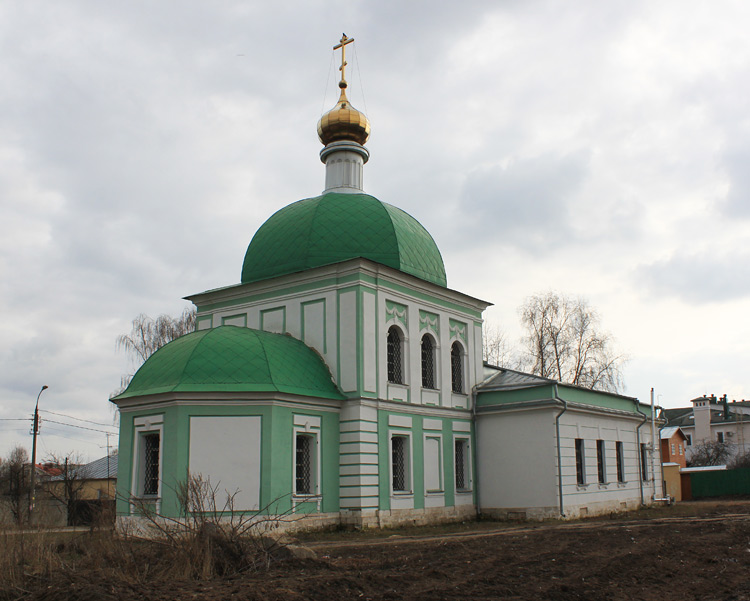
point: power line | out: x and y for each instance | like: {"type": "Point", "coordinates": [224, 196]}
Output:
{"type": "Point", "coordinates": [51, 421]}
{"type": "Point", "coordinates": [80, 419]}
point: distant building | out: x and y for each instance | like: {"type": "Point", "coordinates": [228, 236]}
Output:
{"type": "Point", "coordinates": [712, 419]}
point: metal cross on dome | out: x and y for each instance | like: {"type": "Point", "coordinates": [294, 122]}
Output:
{"type": "Point", "coordinates": [342, 44]}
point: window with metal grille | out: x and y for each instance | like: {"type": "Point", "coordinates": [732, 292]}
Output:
{"type": "Point", "coordinates": [580, 465]}
{"type": "Point", "coordinates": [304, 481]}
{"type": "Point", "coordinates": [428, 362]}
{"type": "Point", "coordinates": [400, 463]}
{"type": "Point", "coordinates": [644, 462]}
{"type": "Point", "coordinates": [151, 464]}
{"type": "Point", "coordinates": [457, 375]}
{"type": "Point", "coordinates": [601, 461]}
{"type": "Point", "coordinates": [395, 356]}
{"type": "Point", "coordinates": [462, 464]}
{"type": "Point", "coordinates": [620, 461]}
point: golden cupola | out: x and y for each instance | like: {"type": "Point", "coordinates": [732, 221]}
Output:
{"type": "Point", "coordinates": [343, 122]}
{"type": "Point", "coordinates": [343, 131]}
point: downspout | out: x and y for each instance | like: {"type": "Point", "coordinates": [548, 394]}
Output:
{"type": "Point", "coordinates": [638, 447]}
{"type": "Point", "coordinates": [559, 456]}
{"type": "Point", "coordinates": [474, 456]}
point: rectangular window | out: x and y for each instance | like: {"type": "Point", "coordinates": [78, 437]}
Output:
{"type": "Point", "coordinates": [720, 436]}
{"type": "Point", "coordinates": [304, 465]}
{"type": "Point", "coordinates": [400, 477]}
{"type": "Point", "coordinates": [601, 461]}
{"type": "Point", "coordinates": [462, 464]}
{"type": "Point", "coordinates": [644, 462]}
{"type": "Point", "coordinates": [150, 464]}
{"type": "Point", "coordinates": [673, 449]}
{"type": "Point", "coordinates": [689, 440]}
{"type": "Point", "coordinates": [433, 465]}
{"type": "Point", "coordinates": [620, 461]}
{"type": "Point", "coordinates": [580, 463]}
{"type": "Point", "coordinates": [679, 447]}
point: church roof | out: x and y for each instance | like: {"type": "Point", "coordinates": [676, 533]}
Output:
{"type": "Point", "coordinates": [234, 359]}
{"type": "Point", "coordinates": [337, 227]}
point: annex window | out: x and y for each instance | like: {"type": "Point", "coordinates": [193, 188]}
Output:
{"type": "Point", "coordinates": [680, 449]}
{"type": "Point", "coordinates": [720, 436]}
{"type": "Point", "coordinates": [400, 476]}
{"type": "Point", "coordinates": [395, 350]}
{"type": "Point", "coordinates": [428, 362]}
{"type": "Point", "coordinates": [689, 440]}
{"type": "Point", "coordinates": [457, 368]}
{"type": "Point", "coordinates": [304, 464]}
{"type": "Point", "coordinates": [601, 469]}
{"type": "Point", "coordinates": [620, 461]}
{"type": "Point", "coordinates": [673, 449]}
{"type": "Point", "coordinates": [580, 463]}
{"type": "Point", "coordinates": [150, 471]}
{"type": "Point", "coordinates": [644, 462]}
{"type": "Point", "coordinates": [463, 481]}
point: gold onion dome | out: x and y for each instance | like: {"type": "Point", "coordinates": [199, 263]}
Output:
{"type": "Point", "coordinates": [343, 122]}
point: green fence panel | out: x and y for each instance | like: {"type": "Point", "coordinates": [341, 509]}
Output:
{"type": "Point", "coordinates": [720, 483]}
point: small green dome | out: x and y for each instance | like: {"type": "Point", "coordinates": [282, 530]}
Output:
{"type": "Point", "coordinates": [337, 227]}
{"type": "Point", "coordinates": [234, 359]}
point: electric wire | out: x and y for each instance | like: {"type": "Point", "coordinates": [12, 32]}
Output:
{"type": "Point", "coordinates": [80, 419]}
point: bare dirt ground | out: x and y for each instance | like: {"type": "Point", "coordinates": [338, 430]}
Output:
{"type": "Point", "coordinates": [694, 551]}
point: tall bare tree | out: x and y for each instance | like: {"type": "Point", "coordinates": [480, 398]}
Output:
{"type": "Point", "coordinates": [563, 342]}
{"type": "Point", "coordinates": [149, 335]}
{"type": "Point", "coordinates": [15, 483]}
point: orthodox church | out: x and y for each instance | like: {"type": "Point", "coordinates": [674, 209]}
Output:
{"type": "Point", "coordinates": [342, 381]}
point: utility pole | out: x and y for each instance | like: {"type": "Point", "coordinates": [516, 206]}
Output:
{"type": "Point", "coordinates": [35, 432]}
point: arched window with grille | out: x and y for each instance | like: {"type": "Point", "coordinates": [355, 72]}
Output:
{"type": "Point", "coordinates": [428, 362]}
{"type": "Point", "coordinates": [395, 350]}
{"type": "Point", "coordinates": [457, 368]}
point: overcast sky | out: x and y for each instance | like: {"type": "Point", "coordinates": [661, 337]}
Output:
{"type": "Point", "coordinates": [599, 149]}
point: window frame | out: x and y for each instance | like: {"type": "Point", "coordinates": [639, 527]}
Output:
{"type": "Point", "coordinates": [458, 364]}
{"type": "Point", "coordinates": [406, 460]}
{"type": "Point", "coordinates": [620, 456]}
{"type": "Point", "coordinates": [465, 442]}
{"type": "Point", "coordinates": [601, 461]}
{"type": "Point", "coordinates": [312, 446]}
{"type": "Point", "coordinates": [143, 427]}
{"type": "Point", "coordinates": [399, 365]}
{"type": "Point", "coordinates": [644, 462]}
{"type": "Point", "coordinates": [433, 385]}
{"type": "Point", "coordinates": [580, 456]}
{"type": "Point", "coordinates": [440, 466]}
{"type": "Point", "coordinates": [308, 426]}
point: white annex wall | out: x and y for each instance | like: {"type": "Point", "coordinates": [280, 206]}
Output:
{"type": "Point", "coordinates": [227, 450]}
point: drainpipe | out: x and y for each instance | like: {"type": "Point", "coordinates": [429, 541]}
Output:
{"type": "Point", "coordinates": [638, 446]}
{"type": "Point", "coordinates": [559, 459]}
{"type": "Point", "coordinates": [474, 456]}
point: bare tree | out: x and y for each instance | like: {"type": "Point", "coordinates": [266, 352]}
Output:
{"type": "Point", "coordinates": [563, 342]}
{"type": "Point", "coordinates": [15, 483]}
{"type": "Point", "coordinates": [67, 487]}
{"type": "Point", "coordinates": [149, 335]}
{"type": "Point", "coordinates": [709, 452]}
{"type": "Point", "coordinates": [495, 348]}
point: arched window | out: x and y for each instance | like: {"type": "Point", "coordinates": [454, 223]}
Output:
{"type": "Point", "coordinates": [428, 362]}
{"type": "Point", "coordinates": [457, 368]}
{"type": "Point", "coordinates": [395, 349]}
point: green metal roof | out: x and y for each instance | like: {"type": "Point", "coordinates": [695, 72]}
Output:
{"type": "Point", "coordinates": [337, 227]}
{"type": "Point", "coordinates": [234, 359]}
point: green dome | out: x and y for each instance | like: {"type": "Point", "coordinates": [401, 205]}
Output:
{"type": "Point", "coordinates": [337, 227]}
{"type": "Point", "coordinates": [234, 359]}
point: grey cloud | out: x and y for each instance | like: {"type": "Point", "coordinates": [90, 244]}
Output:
{"type": "Point", "coordinates": [527, 203]}
{"type": "Point", "coordinates": [698, 278]}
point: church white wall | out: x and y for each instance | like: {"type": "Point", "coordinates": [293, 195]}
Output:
{"type": "Point", "coordinates": [226, 451]}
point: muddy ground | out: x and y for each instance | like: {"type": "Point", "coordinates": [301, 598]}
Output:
{"type": "Point", "coordinates": [701, 553]}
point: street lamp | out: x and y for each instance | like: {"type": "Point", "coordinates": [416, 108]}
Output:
{"type": "Point", "coordinates": [35, 431]}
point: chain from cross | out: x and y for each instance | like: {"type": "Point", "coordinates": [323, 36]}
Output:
{"type": "Point", "coordinates": [342, 44]}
